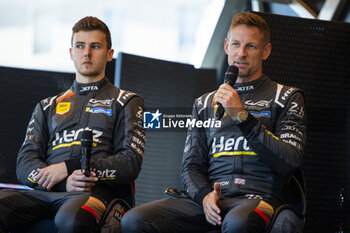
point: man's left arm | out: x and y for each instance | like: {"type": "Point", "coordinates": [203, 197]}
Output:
{"type": "Point", "coordinates": [282, 149]}
{"type": "Point", "coordinates": [124, 165]}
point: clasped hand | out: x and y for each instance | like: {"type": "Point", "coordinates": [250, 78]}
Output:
{"type": "Point", "coordinates": [49, 176]}
{"type": "Point", "coordinates": [210, 208]}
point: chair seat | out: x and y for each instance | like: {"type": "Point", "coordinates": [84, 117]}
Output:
{"type": "Point", "coordinates": [287, 221]}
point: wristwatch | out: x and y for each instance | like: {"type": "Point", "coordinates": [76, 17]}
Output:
{"type": "Point", "coordinates": [242, 116]}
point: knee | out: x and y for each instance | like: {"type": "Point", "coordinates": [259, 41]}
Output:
{"type": "Point", "coordinates": [64, 222]}
{"type": "Point", "coordinates": [82, 221]}
{"type": "Point", "coordinates": [133, 222]}
{"type": "Point", "coordinates": [233, 224]}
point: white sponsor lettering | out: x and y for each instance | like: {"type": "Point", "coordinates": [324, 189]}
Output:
{"type": "Point", "coordinates": [290, 135]}
{"type": "Point", "coordinates": [137, 149]}
{"type": "Point", "coordinates": [296, 110]}
{"type": "Point", "coordinates": [139, 124]}
{"type": "Point", "coordinates": [245, 88]}
{"type": "Point", "coordinates": [253, 196]}
{"type": "Point", "coordinates": [33, 175]}
{"type": "Point", "coordinates": [138, 141]}
{"type": "Point", "coordinates": [293, 143]}
{"type": "Point", "coordinates": [142, 135]}
{"type": "Point", "coordinates": [139, 113]}
{"type": "Point", "coordinates": [67, 137]}
{"type": "Point", "coordinates": [200, 104]}
{"type": "Point", "coordinates": [292, 128]}
{"type": "Point", "coordinates": [106, 174]}
{"type": "Point", "coordinates": [126, 96]}
{"type": "Point", "coordinates": [89, 88]}
{"type": "Point", "coordinates": [229, 145]}
{"type": "Point", "coordinates": [224, 183]}
{"type": "Point", "coordinates": [287, 93]}
{"type": "Point", "coordinates": [106, 103]}
{"type": "Point", "coordinates": [261, 103]}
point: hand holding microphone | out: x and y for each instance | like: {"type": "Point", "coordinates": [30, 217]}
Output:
{"type": "Point", "coordinates": [228, 99]}
{"type": "Point", "coordinates": [231, 76]}
{"type": "Point", "coordinates": [86, 144]}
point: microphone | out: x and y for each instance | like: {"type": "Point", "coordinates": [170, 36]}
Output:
{"type": "Point", "coordinates": [231, 76]}
{"type": "Point", "coordinates": [86, 143]}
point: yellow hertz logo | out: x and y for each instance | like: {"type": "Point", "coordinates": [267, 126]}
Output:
{"type": "Point", "coordinates": [71, 144]}
{"type": "Point", "coordinates": [234, 153]}
{"type": "Point", "coordinates": [63, 108]}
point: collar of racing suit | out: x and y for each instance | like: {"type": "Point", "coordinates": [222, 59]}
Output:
{"type": "Point", "coordinates": [250, 86]}
{"type": "Point", "coordinates": [84, 88]}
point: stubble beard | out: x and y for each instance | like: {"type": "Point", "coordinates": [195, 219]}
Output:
{"type": "Point", "coordinates": [92, 72]}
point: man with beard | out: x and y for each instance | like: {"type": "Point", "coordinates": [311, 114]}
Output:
{"type": "Point", "coordinates": [234, 175]}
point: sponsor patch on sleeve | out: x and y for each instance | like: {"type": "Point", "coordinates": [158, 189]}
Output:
{"type": "Point", "coordinates": [62, 108]}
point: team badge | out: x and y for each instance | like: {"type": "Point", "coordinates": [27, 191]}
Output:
{"type": "Point", "coordinates": [62, 108]}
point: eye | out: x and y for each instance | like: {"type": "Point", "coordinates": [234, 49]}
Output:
{"type": "Point", "coordinates": [251, 46]}
{"type": "Point", "coordinates": [79, 46]}
{"type": "Point", "coordinates": [96, 46]}
{"type": "Point", "coordinates": [235, 44]}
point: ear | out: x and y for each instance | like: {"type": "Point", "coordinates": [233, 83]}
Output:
{"type": "Point", "coordinates": [110, 55]}
{"type": "Point", "coordinates": [267, 51]}
{"type": "Point", "coordinates": [226, 44]}
{"type": "Point", "coordinates": [70, 52]}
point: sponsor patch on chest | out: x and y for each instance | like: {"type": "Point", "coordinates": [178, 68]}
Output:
{"type": "Point", "coordinates": [62, 108]}
{"type": "Point", "coordinates": [108, 112]}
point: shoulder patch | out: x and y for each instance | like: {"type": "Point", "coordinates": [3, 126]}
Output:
{"type": "Point", "coordinates": [203, 101]}
{"type": "Point", "coordinates": [283, 93]}
{"type": "Point", "coordinates": [125, 96]}
{"type": "Point", "coordinates": [47, 102]}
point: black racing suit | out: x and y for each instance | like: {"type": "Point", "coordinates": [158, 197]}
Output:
{"type": "Point", "coordinates": [115, 118]}
{"type": "Point", "coordinates": [250, 160]}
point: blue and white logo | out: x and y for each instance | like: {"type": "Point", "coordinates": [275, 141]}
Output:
{"type": "Point", "coordinates": [151, 120]}
{"type": "Point", "coordinates": [261, 114]}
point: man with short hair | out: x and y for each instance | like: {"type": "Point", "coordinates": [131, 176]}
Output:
{"type": "Point", "coordinates": [49, 160]}
{"type": "Point", "coordinates": [234, 175]}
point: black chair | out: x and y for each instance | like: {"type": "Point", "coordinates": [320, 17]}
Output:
{"type": "Point", "coordinates": [114, 211]}
{"type": "Point", "coordinates": [290, 216]}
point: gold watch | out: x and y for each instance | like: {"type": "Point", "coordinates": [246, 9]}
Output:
{"type": "Point", "coordinates": [242, 116]}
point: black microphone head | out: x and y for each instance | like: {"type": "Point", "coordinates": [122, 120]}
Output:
{"type": "Point", "coordinates": [86, 138]}
{"type": "Point", "coordinates": [231, 75]}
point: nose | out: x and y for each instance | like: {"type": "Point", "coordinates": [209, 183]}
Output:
{"type": "Point", "coordinates": [242, 51]}
{"type": "Point", "coordinates": [87, 51]}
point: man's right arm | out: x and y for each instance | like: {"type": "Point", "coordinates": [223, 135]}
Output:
{"type": "Point", "coordinates": [194, 171]}
{"type": "Point", "coordinates": [32, 153]}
